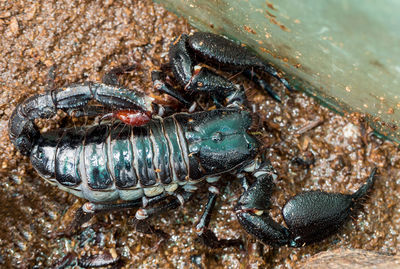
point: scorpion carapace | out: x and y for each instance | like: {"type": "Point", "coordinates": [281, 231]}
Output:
{"type": "Point", "coordinates": [156, 164]}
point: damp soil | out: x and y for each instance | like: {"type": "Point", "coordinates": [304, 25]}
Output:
{"type": "Point", "coordinates": [86, 39]}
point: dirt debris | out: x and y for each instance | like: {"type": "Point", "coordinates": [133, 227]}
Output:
{"type": "Point", "coordinates": [84, 40]}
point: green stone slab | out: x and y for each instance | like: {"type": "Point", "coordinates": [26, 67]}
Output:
{"type": "Point", "coordinates": [345, 53]}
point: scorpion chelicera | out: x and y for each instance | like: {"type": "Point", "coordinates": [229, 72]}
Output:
{"type": "Point", "coordinates": [155, 163]}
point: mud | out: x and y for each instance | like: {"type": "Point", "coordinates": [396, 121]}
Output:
{"type": "Point", "coordinates": [86, 39]}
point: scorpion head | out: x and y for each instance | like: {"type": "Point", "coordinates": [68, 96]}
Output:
{"type": "Point", "coordinates": [218, 140]}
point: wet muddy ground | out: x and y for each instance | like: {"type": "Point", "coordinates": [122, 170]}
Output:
{"type": "Point", "coordinates": [84, 40]}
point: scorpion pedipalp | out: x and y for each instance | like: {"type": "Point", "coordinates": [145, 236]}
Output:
{"type": "Point", "coordinates": [310, 216]}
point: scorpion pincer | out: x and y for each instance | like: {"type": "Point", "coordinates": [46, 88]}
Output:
{"type": "Point", "coordinates": [155, 164]}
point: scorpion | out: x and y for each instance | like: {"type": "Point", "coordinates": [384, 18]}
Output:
{"type": "Point", "coordinates": [153, 163]}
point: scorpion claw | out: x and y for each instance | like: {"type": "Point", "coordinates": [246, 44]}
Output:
{"type": "Point", "coordinates": [310, 216]}
{"type": "Point", "coordinates": [264, 228]}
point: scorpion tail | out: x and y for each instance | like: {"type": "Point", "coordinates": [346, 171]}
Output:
{"type": "Point", "coordinates": [23, 131]}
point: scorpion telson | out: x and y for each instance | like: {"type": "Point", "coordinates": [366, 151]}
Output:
{"type": "Point", "coordinates": [155, 164]}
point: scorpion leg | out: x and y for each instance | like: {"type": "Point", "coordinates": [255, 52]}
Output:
{"type": "Point", "coordinates": [206, 235]}
{"type": "Point", "coordinates": [143, 214]}
{"type": "Point", "coordinates": [89, 209]}
{"type": "Point", "coordinates": [178, 200]}
{"type": "Point", "coordinates": [161, 86]}
{"type": "Point", "coordinates": [111, 77]}
{"type": "Point", "coordinates": [310, 216]}
{"type": "Point", "coordinates": [250, 74]}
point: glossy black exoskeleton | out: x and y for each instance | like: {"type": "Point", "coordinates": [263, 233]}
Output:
{"type": "Point", "coordinates": [187, 50]}
{"type": "Point", "coordinates": [156, 164]}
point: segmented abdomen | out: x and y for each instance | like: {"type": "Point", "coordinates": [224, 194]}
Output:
{"type": "Point", "coordinates": [155, 153]}
{"type": "Point", "coordinates": [123, 162]}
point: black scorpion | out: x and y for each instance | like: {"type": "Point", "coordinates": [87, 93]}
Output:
{"type": "Point", "coordinates": [155, 164]}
